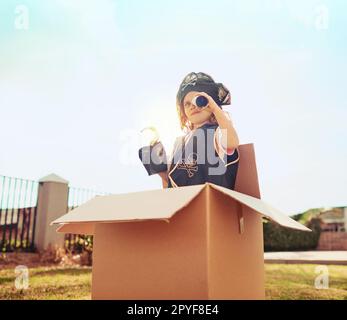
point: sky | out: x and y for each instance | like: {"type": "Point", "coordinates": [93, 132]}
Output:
{"type": "Point", "coordinates": [80, 79]}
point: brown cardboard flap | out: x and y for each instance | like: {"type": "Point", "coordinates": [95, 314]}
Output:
{"type": "Point", "coordinates": [88, 228]}
{"type": "Point", "coordinates": [159, 204]}
{"type": "Point", "coordinates": [77, 228]}
{"type": "Point", "coordinates": [262, 208]}
{"type": "Point", "coordinates": [153, 204]}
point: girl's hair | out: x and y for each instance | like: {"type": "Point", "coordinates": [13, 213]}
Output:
{"type": "Point", "coordinates": [185, 124]}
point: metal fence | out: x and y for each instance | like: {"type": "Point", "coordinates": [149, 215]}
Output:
{"type": "Point", "coordinates": [18, 210]}
{"type": "Point", "coordinates": [18, 214]}
{"type": "Point", "coordinates": [77, 196]}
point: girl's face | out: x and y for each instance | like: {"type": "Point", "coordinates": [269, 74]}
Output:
{"type": "Point", "coordinates": [193, 113]}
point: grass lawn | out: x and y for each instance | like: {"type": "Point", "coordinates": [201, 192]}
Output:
{"type": "Point", "coordinates": [297, 281]}
{"type": "Point", "coordinates": [59, 283]}
{"type": "Point", "coordinates": [283, 281]}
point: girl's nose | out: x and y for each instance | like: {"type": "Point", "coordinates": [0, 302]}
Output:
{"type": "Point", "coordinates": [192, 106]}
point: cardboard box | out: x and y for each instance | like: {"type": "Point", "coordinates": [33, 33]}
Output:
{"type": "Point", "coordinates": [193, 242]}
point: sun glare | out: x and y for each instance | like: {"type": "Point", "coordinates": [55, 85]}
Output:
{"type": "Point", "coordinates": [163, 117]}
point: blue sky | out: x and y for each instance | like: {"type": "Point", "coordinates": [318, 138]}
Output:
{"type": "Point", "coordinates": [85, 77]}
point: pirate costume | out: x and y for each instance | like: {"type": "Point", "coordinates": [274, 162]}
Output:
{"type": "Point", "coordinates": [197, 157]}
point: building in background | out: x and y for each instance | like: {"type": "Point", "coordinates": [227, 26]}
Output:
{"type": "Point", "coordinates": [334, 229]}
{"type": "Point", "coordinates": [334, 219]}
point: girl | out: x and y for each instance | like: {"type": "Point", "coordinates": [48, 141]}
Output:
{"type": "Point", "coordinates": [208, 151]}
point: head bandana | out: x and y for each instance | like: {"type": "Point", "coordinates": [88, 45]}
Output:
{"type": "Point", "coordinates": [202, 82]}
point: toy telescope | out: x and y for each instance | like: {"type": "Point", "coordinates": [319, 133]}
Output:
{"type": "Point", "coordinates": [200, 101]}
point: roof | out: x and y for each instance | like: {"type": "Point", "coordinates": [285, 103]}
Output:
{"type": "Point", "coordinates": [333, 215]}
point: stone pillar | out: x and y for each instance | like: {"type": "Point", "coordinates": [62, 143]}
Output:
{"type": "Point", "coordinates": [52, 203]}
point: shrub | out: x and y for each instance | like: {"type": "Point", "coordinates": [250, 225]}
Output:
{"type": "Point", "coordinates": [82, 245]}
{"type": "Point", "coordinates": [277, 238]}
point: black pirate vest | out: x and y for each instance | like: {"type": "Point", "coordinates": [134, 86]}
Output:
{"type": "Point", "coordinates": [196, 161]}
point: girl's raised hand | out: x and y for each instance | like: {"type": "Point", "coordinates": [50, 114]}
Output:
{"type": "Point", "coordinates": [212, 105]}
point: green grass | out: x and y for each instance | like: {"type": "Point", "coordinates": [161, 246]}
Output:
{"type": "Point", "coordinates": [283, 281]}
{"type": "Point", "coordinates": [48, 283]}
{"type": "Point", "coordinates": [296, 282]}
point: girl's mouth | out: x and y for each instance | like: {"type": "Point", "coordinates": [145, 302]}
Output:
{"type": "Point", "coordinates": [194, 112]}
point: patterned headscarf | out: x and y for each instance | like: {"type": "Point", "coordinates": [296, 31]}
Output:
{"type": "Point", "coordinates": [202, 82]}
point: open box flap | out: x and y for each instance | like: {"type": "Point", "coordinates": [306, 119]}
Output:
{"type": "Point", "coordinates": [159, 204]}
{"type": "Point", "coordinates": [153, 204]}
{"type": "Point", "coordinates": [263, 208]}
{"type": "Point", "coordinates": [77, 228]}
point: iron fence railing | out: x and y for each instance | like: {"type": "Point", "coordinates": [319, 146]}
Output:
{"type": "Point", "coordinates": [76, 243]}
{"type": "Point", "coordinates": [18, 210]}
{"type": "Point", "coordinates": [18, 214]}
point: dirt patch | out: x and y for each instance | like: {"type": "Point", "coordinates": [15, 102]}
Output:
{"type": "Point", "coordinates": [53, 256]}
